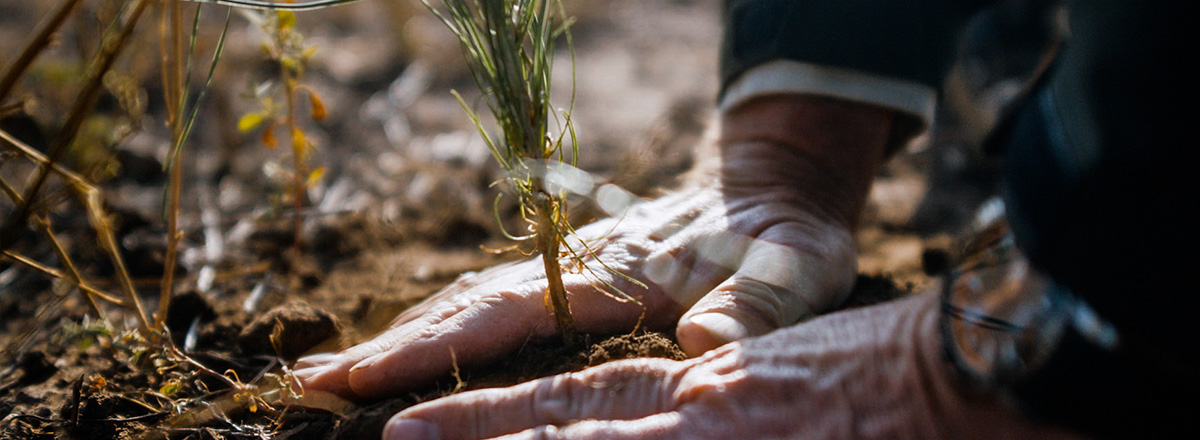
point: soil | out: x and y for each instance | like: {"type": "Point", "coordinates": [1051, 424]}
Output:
{"type": "Point", "coordinates": [402, 209]}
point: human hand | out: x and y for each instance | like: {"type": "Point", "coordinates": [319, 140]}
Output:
{"type": "Point", "coordinates": [762, 244]}
{"type": "Point", "coordinates": [876, 372]}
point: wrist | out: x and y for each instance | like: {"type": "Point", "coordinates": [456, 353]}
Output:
{"type": "Point", "coordinates": [1001, 321]}
{"type": "Point", "coordinates": [1008, 329]}
{"type": "Point", "coordinates": [959, 410]}
{"type": "Point", "coordinates": [821, 152]}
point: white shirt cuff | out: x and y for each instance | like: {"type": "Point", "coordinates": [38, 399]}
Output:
{"type": "Point", "coordinates": [787, 76]}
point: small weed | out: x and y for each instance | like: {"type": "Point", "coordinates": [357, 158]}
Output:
{"type": "Point", "coordinates": [285, 47]}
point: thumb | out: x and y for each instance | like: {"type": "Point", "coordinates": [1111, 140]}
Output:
{"type": "Point", "coordinates": [774, 286]}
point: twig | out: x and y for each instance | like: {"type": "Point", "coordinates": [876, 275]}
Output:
{"type": "Point", "coordinates": [41, 160]}
{"type": "Point", "coordinates": [233, 384]}
{"type": "Point", "coordinates": [105, 419]}
{"type": "Point", "coordinates": [65, 260]}
{"type": "Point", "coordinates": [9, 191]}
{"type": "Point", "coordinates": [298, 141]}
{"type": "Point", "coordinates": [270, 5]}
{"type": "Point", "coordinates": [171, 48]}
{"type": "Point", "coordinates": [35, 47]}
{"type": "Point", "coordinates": [104, 232]}
{"type": "Point", "coordinates": [10, 108]}
{"type": "Point", "coordinates": [27, 262]}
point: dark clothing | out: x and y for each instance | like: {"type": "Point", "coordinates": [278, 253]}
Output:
{"type": "Point", "coordinates": [1100, 163]}
{"type": "Point", "coordinates": [900, 39]}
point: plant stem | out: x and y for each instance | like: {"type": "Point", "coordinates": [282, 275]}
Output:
{"type": "Point", "coordinates": [547, 243]}
{"type": "Point", "coordinates": [104, 233]}
{"type": "Point", "coordinates": [52, 273]}
{"type": "Point", "coordinates": [172, 44]}
{"type": "Point", "coordinates": [291, 74]}
{"type": "Point", "coordinates": [173, 236]}
{"type": "Point", "coordinates": [299, 151]}
{"type": "Point", "coordinates": [69, 269]}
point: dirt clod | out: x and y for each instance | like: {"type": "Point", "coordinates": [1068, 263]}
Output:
{"type": "Point", "coordinates": [288, 330]}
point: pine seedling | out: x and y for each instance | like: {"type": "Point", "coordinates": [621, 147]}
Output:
{"type": "Point", "coordinates": [509, 48]}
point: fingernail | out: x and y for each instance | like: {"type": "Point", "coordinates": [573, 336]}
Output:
{"type": "Point", "coordinates": [660, 268]}
{"type": "Point", "coordinates": [311, 371]}
{"type": "Point", "coordinates": [410, 429]}
{"type": "Point", "coordinates": [721, 327]}
{"type": "Point", "coordinates": [317, 358]}
{"type": "Point", "coordinates": [368, 362]}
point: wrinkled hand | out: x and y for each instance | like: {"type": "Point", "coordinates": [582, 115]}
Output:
{"type": "Point", "coordinates": [763, 244]}
{"type": "Point", "coordinates": [869, 373]}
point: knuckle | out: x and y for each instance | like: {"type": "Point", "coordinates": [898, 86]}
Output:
{"type": "Point", "coordinates": [476, 424]}
{"type": "Point", "coordinates": [554, 400]}
{"type": "Point", "coordinates": [760, 300]}
{"type": "Point", "coordinates": [546, 432]}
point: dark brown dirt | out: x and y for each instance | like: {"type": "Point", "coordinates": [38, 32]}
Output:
{"type": "Point", "coordinates": [101, 389]}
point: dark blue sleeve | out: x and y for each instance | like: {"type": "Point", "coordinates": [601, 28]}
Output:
{"type": "Point", "coordinates": [913, 40]}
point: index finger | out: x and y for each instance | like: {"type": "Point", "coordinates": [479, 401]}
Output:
{"type": "Point", "coordinates": [624, 390]}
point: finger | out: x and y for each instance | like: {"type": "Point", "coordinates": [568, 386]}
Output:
{"type": "Point", "coordinates": [605, 303]}
{"type": "Point", "coordinates": [689, 270]}
{"type": "Point", "coordinates": [487, 327]}
{"type": "Point", "coordinates": [329, 377]}
{"type": "Point", "coordinates": [659, 426]}
{"type": "Point", "coordinates": [478, 325]}
{"type": "Point", "coordinates": [617, 391]}
{"type": "Point", "coordinates": [495, 325]}
{"type": "Point", "coordinates": [330, 371]}
{"type": "Point", "coordinates": [775, 285]}
{"type": "Point", "coordinates": [506, 274]}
